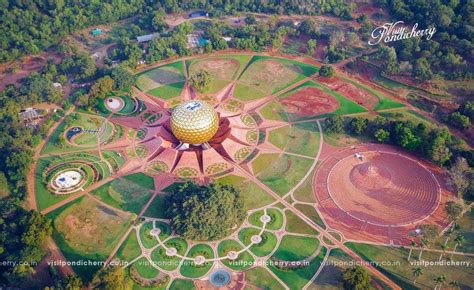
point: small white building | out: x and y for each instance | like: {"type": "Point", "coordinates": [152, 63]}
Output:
{"type": "Point", "coordinates": [147, 37]}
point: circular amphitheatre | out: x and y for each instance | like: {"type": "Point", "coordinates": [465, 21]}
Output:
{"type": "Point", "coordinates": [114, 104]}
{"type": "Point", "coordinates": [67, 181]}
{"type": "Point", "coordinates": [382, 188]}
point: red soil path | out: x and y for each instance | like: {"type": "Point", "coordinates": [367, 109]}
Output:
{"type": "Point", "coordinates": [310, 101]}
{"type": "Point", "coordinates": [382, 197]}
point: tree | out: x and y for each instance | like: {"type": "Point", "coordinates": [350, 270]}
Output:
{"type": "Point", "coordinates": [454, 284]}
{"type": "Point", "coordinates": [454, 210]}
{"type": "Point", "coordinates": [424, 244]}
{"type": "Point", "coordinates": [458, 120]}
{"type": "Point", "coordinates": [422, 69]}
{"type": "Point", "coordinates": [358, 125]}
{"type": "Point", "coordinates": [459, 240]}
{"type": "Point", "coordinates": [101, 87]}
{"type": "Point", "coordinates": [327, 71]}
{"type": "Point", "coordinates": [81, 66]}
{"type": "Point", "coordinates": [439, 281]}
{"type": "Point", "coordinates": [207, 212]}
{"type": "Point", "coordinates": [459, 175]}
{"type": "Point", "coordinates": [72, 282]}
{"type": "Point", "coordinates": [112, 278]}
{"type": "Point", "coordinates": [123, 78]}
{"type": "Point", "coordinates": [200, 80]}
{"type": "Point", "coordinates": [417, 272]}
{"type": "Point", "coordinates": [311, 46]}
{"type": "Point", "coordinates": [467, 109]}
{"type": "Point", "coordinates": [382, 135]}
{"type": "Point", "coordinates": [356, 278]}
{"type": "Point", "coordinates": [437, 149]}
{"type": "Point", "coordinates": [412, 245]}
{"type": "Point", "coordinates": [250, 19]}
{"type": "Point", "coordinates": [334, 124]}
{"type": "Point", "coordinates": [443, 247]}
{"type": "Point", "coordinates": [4, 186]}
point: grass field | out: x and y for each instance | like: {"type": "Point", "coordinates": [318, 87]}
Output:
{"type": "Point", "coordinates": [162, 260]}
{"type": "Point", "coordinates": [259, 277]}
{"type": "Point", "coordinates": [294, 224]}
{"type": "Point", "coordinates": [181, 284]}
{"type": "Point", "coordinates": [147, 239]}
{"type": "Point", "coordinates": [167, 92]}
{"type": "Point", "coordinates": [253, 195]}
{"type": "Point", "coordinates": [296, 248]}
{"type": "Point", "coordinates": [409, 115]}
{"type": "Point", "coordinates": [157, 207]}
{"type": "Point", "coordinates": [311, 212]}
{"type": "Point", "coordinates": [244, 260]}
{"type": "Point", "coordinates": [191, 270]}
{"type": "Point", "coordinates": [305, 193]}
{"type": "Point", "coordinates": [85, 230]}
{"type": "Point", "coordinates": [400, 270]}
{"type": "Point", "coordinates": [270, 75]}
{"type": "Point", "coordinates": [301, 138]}
{"type": "Point", "coordinates": [130, 249]}
{"type": "Point", "coordinates": [44, 198]}
{"type": "Point", "coordinates": [265, 247]}
{"type": "Point", "coordinates": [296, 279]}
{"type": "Point", "coordinates": [276, 219]}
{"type": "Point", "coordinates": [123, 194]}
{"type": "Point", "coordinates": [142, 180]}
{"type": "Point", "coordinates": [145, 269]}
{"type": "Point", "coordinates": [163, 75]}
{"type": "Point", "coordinates": [281, 173]}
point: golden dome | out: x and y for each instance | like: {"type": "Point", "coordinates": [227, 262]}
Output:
{"type": "Point", "coordinates": [194, 122]}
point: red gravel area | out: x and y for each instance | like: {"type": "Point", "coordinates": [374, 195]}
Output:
{"type": "Point", "coordinates": [309, 101]}
{"type": "Point", "coordinates": [381, 196]}
{"type": "Point", "coordinates": [350, 91]}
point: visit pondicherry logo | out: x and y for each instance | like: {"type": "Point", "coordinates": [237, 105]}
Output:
{"type": "Point", "coordinates": [394, 31]}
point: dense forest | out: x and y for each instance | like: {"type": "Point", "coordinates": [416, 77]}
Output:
{"type": "Point", "coordinates": [450, 52]}
{"type": "Point", "coordinates": [28, 27]}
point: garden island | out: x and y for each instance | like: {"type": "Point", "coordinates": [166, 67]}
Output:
{"type": "Point", "coordinates": [209, 150]}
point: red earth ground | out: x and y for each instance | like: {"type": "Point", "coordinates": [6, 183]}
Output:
{"type": "Point", "coordinates": [310, 101]}
{"type": "Point", "coordinates": [350, 91]}
{"type": "Point", "coordinates": [382, 197]}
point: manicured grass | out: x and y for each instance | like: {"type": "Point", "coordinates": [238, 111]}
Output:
{"type": "Point", "coordinates": [275, 110]}
{"type": "Point", "coordinates": [253, 195]}
{"type": "Point", "coordinates": [265, 247]}
{"type": "Point", "coordinates": [296, 248]}
{"type": "Point", "coordinates": [248, 93]}
{"type": "Point", "coordinates": [145, 269]}
{"type": "Point", "coordinates": [384, 101]}
{"type": "Point", "coordinates": [409, 115]}
{"type": "Point", "coordinates": [130, 249]}
{"type": "Point", "coordinates": [244, 260]}
{"type": "Point", "coordinates": [262, 161]}
{"type": "Point", "coordinates": [181, 284]}
{"type": "Point", "coordinates": [44, 198]}
{"type": "Point", "coordinates": [262, 279]}
{"type": "Point", "coordinates": [123, 194]}
{"type": "Point", "coordinates": [283, 173]}
{"type": "Point", "coordinates": [400, 270]}
{"type": "Point", "coordinates": [311, 212]}
{"type": "Point", "coordinates": [302, 138]}
{"type": "Point", "coordinates": [85, 230]}
{"type": "Point", "coordinates": [141, 179]}
{"type": "Point", "coordinates": [305, 192]}
{"type": "Point", "coordinates": [162, 260]}
{"type": "Point", "coordinates": [157, 207]}
{"type": "Point", "coordinates": [147, 239]}
{"type": "Point", "coordinates": [294, 224]}
{"type": "Point", "coordinates": [276, 219]}
{"type": "Point", "coordinates": [167, 92]}
{"type": "Point", "coordinates": [298, 278]}
{"type": "Point", "coordinates": [167, 74]}
{"type": "Point", "coordinates": [191, 270]}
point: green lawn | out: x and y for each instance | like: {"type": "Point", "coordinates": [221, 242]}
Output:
{"type": "Point", "coordinates": [253, 195]}
{"type": "Point", "coordinates": [294, 224]}
{"type": "Point", "coordinates": [181, 284]}
{"type": "Point", "coordinates": [301, 138]}
{"type": "Point", "coordinates": [244, 260]}
{"type": "Point", "coordinates": [157, 207]}
{"type": "Point", "coordinates": [283, 173]}
{"type": "Point", "coordinates": [168, 91]}
{"type": "Point", "coordinates": [145, 269]}
{"type": "Point", "coordinates": [155, 77]}
{"type": "Point", "coordinates": [311, 212]}
{"type": "Point", "coordinates": [296, 248]}
{"type": "Point", "coordinates": [259, 277]}
{"type": "Point", "coordinates": [296, 279]}
{"type": "Point", "coordinates": [262, 249]}
{"type": "Point", "coordinates": [305, 193]}
{"type": "Point", "coordinates": [44, 198]}
{"type": "Point", "coordinates": [191, 270]}
{"type": "Point", "coordinates": [141, 179]}
{"type": "Point", "coordinates": [160, 258]}
{"type": "Point", "coordinates": [130, 249]}
{"type": "Point", "coordinates": [276, 219]}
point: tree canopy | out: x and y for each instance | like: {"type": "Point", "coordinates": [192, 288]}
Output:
{"type": "Point", "coordinates": [205, 212]}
